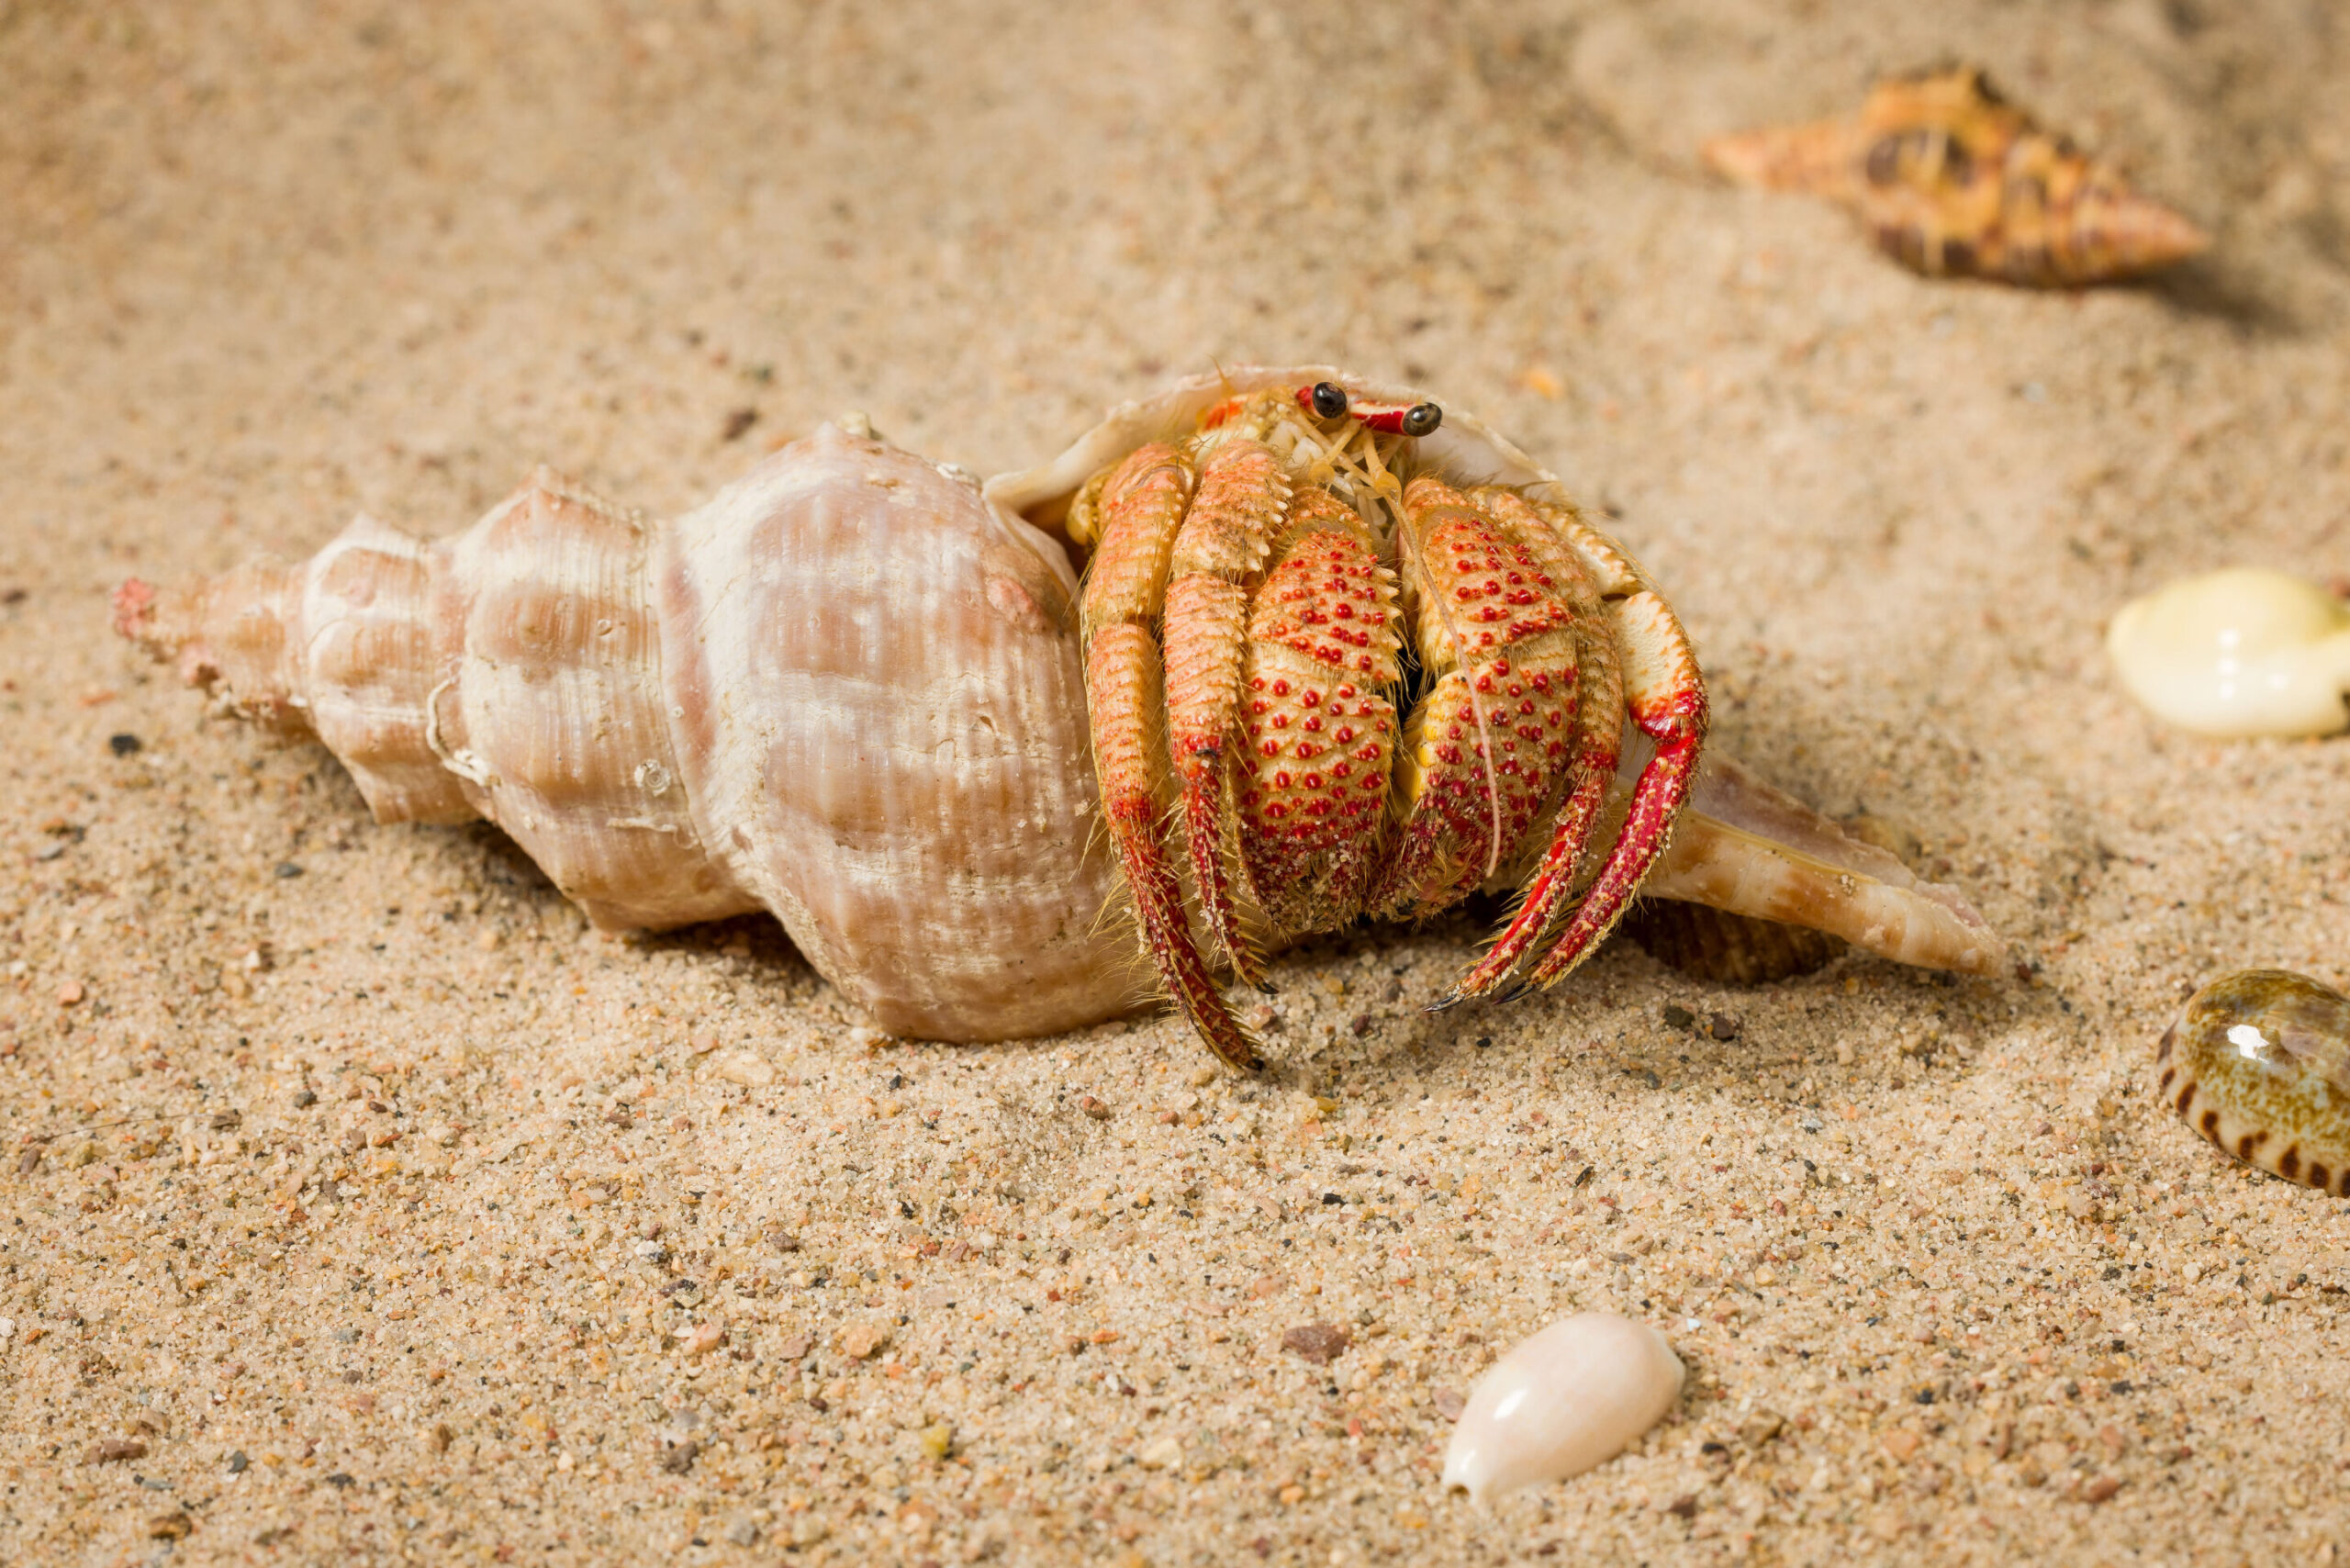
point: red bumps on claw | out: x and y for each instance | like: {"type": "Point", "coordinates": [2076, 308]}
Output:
{"type": "Point", "coordinates": [1595, 746]}
{"type": "Point", "coordinates": [1488, 747]}
{"type": "Point", "coordinates": [1952, 181]}
{"type": "Point", "coordinates": [1319, 730]}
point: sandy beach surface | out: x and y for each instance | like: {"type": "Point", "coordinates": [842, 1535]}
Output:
{"type": "Point", "coordinates": [361, 1204]}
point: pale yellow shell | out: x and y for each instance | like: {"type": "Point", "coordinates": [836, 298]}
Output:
{"type": "Point", "coordinates": [847, 690]}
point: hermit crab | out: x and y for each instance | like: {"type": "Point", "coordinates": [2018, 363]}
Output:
{"type": "Point", "coordinates": [1266, 591]}
{"type": "Point", "coordinates": [1339, 651]}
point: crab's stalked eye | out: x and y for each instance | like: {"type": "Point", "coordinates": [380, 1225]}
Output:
{"type": "Point", "coordinates": [1422, 418]}
{"type": "Point", "coordinates": [1330, 400]}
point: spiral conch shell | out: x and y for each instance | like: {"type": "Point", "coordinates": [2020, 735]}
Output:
{"type": "Point", "coordinates": [841, 691]}
{"type": "Point", "coordinates": [848, 690]}
{"type": "Point", "coordinates": [1953, 181]}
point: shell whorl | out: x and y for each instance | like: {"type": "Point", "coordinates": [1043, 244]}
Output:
{"type": "Point", "coordinates": [840, 690]}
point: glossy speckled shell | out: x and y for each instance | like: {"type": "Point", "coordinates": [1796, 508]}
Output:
{"type": "Point", "coordinates": [2259, 1063]}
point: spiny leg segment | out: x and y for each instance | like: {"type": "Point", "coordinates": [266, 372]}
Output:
{"type": "Point", "coordinates": [1141, 511]}
{"type": "Point", "coordinates": [1219, 556]}
{"type": "Point", "coordinates": [1666, 698]}
{"type": "Point", "coordinates": [1660, 687]}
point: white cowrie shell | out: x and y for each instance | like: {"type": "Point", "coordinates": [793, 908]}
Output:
{"type": "Point", "coordinates": [1571, 1397]}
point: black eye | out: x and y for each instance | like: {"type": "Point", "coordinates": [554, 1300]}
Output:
{"type": "Point", "coordinates": [1422, 418]}
{"type": "Point", "coordinates": [1329, 399]}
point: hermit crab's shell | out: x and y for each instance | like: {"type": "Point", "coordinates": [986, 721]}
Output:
{"type": "Point", "coordinates": [1461, 449]}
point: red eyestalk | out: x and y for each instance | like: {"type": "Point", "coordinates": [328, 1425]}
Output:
{"type": "Point", "coordinates": [1329, 400]}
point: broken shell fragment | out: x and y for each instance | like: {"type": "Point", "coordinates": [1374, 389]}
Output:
{"type": "Point", "coordinates": [1574, 1395]}
{"type": "Point", "coordinates": [2259, 1063]}
{"type": "Point", "coordinates": [2237, 653]}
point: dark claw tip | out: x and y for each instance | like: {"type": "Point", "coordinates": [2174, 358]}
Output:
{"type": "Point", "coordinates": [1513, 994]}
{"type": "Point", "coordinates": [1445, 1003]}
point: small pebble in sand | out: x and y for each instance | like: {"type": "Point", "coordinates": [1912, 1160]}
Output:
{"type": "Point", "coordinates": [2259, 1063]}
{"type": "Point", "coordinates": [1574, 1395]}
{"type": "Point", "coordinates": [2240, 652]}
{"type": "Point", "coordinates": [746, 1068]}
{"type": "Point", "coordinates": [169, 1526]}
{"type": "Point", "coordinates": [702, 1339]}
{"type": "Point", "coordinates": [860, 1341]}
{"type": "Point", "coordinates": [1320, 1343]}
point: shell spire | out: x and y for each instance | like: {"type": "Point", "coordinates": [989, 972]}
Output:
{"type": "Point", "coordinates": [1816, 158]}
{"type": "Point", "coordinates": [1952, 181]}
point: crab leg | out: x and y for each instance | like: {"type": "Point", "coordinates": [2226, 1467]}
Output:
{"type": "Point", "coordinates": [1218, 556]}
{"type": "Point", "coordinates": [1666, 698]}
{"type": "Point", "coordinates": [1141, 510]}
{"type": "Point", "coordinates": [1599, 739]}
{"type": "Point", "coordinates": [1486, 744]}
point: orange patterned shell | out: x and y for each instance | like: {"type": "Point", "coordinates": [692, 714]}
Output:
{"type": "Point", "coordinates": [1954, 182]}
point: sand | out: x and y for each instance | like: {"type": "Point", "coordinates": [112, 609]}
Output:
{"type": "Point", "coordinates": [1949, 1285]}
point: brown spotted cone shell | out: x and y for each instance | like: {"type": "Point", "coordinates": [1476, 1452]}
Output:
{"type": "Point", "coordinates": [847, 690]}
{"type": "Point", "coordinates": [1953, 181]}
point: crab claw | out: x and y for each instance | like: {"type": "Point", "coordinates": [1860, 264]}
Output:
{"type": "Point", "coordinates": [1666, 699]}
